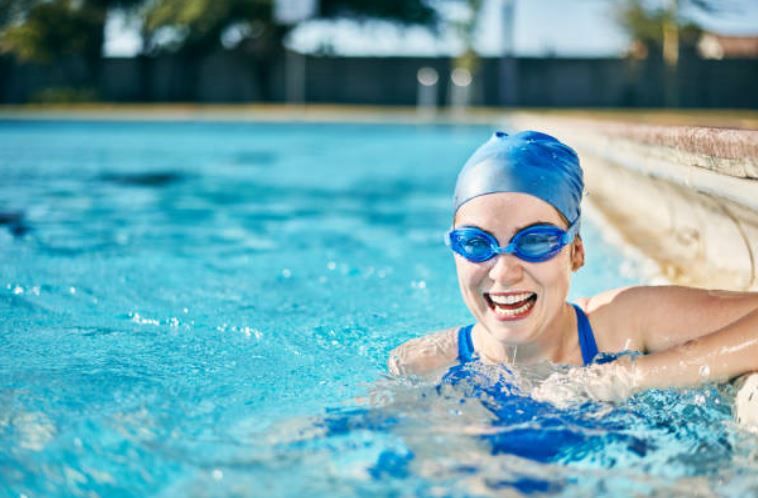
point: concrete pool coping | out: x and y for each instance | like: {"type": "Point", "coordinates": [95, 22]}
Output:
{"type": "Point", "coordinates": [251, 112]}
{"type": "Point", "coordinates": [733, 119]}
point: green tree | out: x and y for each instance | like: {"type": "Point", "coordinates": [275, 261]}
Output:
{"type": "Point", "coordinates": [663, 29]}
{"type": "Point", "coordinates": [660, 27]}
{"type": "Point", "coordinates": [197, 26]}
{"type": "Point", "coordinates": [466, 28]}
{"type": "Point", "coordinates": [46, 31]}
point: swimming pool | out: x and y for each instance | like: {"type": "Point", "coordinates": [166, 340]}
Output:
{"type": "Point", "coordinates": [197, 308]}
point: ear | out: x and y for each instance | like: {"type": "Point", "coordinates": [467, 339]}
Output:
{"type": "Point", "coordinates": [577, 253]}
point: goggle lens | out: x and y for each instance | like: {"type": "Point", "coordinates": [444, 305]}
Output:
{"type": "Point", "coordinates": [539, 244]}
{"type": "Point", "coordinates": [475, 247]}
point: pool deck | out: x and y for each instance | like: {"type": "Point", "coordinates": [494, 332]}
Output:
{"type": "Point", "coordinates": [733, 119]}
{"type": "Point", "coordinates": [250, 113]}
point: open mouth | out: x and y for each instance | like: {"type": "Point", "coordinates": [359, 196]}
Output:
{"type": "Point", "coordinates": [511, 306]}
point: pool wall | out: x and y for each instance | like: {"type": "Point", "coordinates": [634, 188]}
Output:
{"type": "Point", "coordinates": [685, 196]}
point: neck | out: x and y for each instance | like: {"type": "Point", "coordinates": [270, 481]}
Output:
{"type": "Point", "coordinates": [551, 344]}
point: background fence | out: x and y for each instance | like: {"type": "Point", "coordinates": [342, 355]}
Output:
{"type": "Point", "coordinates": [535, 82]}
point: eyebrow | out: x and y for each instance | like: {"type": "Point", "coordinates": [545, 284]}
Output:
{"type": "Point", "coordinates": [518, 229]}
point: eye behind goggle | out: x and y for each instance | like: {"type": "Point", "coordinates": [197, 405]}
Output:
{"type": "Point", "coordinates": [472, 244]}
{"type": "Point", "coordinates": [539, 243]}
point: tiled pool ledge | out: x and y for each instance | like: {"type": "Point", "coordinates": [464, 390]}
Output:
{"type": "Point", "coordinates": [685, 196]}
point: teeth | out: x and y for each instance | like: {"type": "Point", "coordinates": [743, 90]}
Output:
{"type": "Point", "coordinates": [517, 311]}
{"type": "Point", "coordinates": [512, 299]}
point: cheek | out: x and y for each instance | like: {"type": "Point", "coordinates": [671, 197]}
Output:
{"type": "Point", "coordinates": [470, 275]}
{"type": "Point", "coordinates": [555, 275]}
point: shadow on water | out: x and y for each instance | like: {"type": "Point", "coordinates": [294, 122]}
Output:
{"type": "Point", "coordinates": [14, 222]}
{"type": "Point", "coordinates": [145, 179]}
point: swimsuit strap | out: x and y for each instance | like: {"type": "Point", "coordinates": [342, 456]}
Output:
{"type": "Point", "coordinates": [586, 337]}
{"type": "Point", "coordinates": [465, 344]}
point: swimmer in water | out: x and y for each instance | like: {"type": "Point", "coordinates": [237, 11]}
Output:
{"type": "Point", "coordinates": [516, 242]}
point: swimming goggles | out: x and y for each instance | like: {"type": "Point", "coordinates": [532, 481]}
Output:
{"type": "Point", "coordinates": [533, 244]}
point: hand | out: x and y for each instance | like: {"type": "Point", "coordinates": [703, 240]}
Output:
{"type": "Point", "coordinates": [607, 382]}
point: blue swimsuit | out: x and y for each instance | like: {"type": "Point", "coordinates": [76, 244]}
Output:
{"type": "Point", "coordinates": [522, 426]}
{"type": "Point", "coordinates": [560, 430]}
{"type": "Point", "coordinates": [586, 339]}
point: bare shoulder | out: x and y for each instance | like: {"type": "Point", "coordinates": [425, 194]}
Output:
{"type": "Point", "coordinates": [614, 317]}
{"type": "Point", "coordinates": [651, 318]}
{"type": "Point", "coordinates": [424, 354]}
{"type": "Point", "coordinates": [611, 305]}
{"type": "Point", "coordinates": [609, 300]}
{"type": "Point", "coordinates": [670, 296]}
{"type": "Point", "coordinates": [623, 318]}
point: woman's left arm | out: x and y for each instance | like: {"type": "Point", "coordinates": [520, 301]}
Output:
{"type": "Point", "coordinates": [657, 318]}
{"type": "Point", "coordinates": [690, 335]}
{"type": "Point", "coordinates": [718, 356]}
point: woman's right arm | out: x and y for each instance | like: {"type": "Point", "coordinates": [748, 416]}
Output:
{"type": "Point", "coordinates": [425, 354]}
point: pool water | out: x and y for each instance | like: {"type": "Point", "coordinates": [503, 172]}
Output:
{"type": "Point", "coordinates": [205, 309]}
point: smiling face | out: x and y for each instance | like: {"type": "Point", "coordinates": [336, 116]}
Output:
{"type": "Point", "coordinates": [517, 302]}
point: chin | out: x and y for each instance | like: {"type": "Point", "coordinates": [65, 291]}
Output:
{"type": "Point", "coordinates": [506, 332]}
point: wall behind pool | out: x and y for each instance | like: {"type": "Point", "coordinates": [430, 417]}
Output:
{"type": "Point", "coordinates": [687, 197]}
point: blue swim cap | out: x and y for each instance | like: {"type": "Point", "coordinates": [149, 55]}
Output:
{"type": "Point", "coordinates": [529, 162]}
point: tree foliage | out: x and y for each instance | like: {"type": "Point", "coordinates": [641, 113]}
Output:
{"type": "Point", "coordinates": [42, 31]}
{"type": "Point", "coordinates": [646, 23]}
{"type": "Point", "coordinates": [466, 28]}
{"type": "Point", "coordinates": [403, 11]}
{"type": "Point", "coordinates": [199, 25]}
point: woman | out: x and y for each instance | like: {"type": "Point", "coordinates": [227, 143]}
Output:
{"type": "Point", "coordinates": [516, 242]}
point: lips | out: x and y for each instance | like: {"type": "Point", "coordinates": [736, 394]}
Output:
{"type": "Point", "coordinates": [509, 306]}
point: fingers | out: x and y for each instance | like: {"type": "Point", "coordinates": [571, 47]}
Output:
{"type": "Point", "coordinates": [612, 382]}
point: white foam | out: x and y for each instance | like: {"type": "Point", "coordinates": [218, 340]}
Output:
{"type": "Point", "coordinates": [746, 403]}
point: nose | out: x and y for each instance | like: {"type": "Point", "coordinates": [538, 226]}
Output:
{"type": "Point", "coordinates": [507, 269]}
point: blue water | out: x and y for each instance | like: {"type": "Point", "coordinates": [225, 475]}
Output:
{"type": "Point", "coordinates": [202, 309]}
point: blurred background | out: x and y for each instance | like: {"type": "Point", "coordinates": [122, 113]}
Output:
{"type": "Point", "coordinates": [431, 53]}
